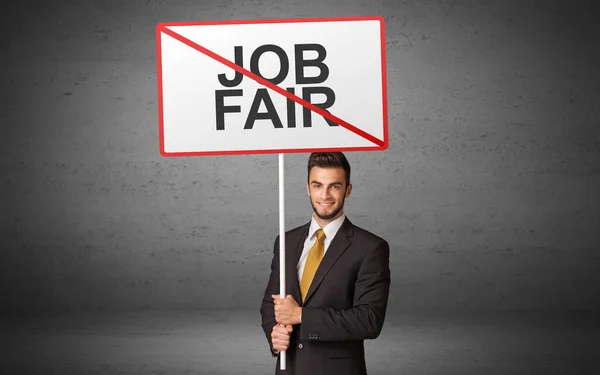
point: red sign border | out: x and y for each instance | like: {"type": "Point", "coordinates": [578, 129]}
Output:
{"type": "Point", "coordinates": [162, 27]}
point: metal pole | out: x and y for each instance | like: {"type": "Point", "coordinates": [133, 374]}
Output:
{"type": "Point", "coordinates": [281, 244]}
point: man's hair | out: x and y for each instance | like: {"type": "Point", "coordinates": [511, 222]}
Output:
{"type": "Point", "coordinates": [329, 160]}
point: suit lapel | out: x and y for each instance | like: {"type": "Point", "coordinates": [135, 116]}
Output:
{"type": "Point", "coordinates": [295, 245]}
{"type": "Point", "coordinates": [340, 243]}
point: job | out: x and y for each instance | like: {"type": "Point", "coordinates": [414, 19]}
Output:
{"type": "Point", "coordinates": [284, 64]}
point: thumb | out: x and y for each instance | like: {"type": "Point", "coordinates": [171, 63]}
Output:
{"type": "Point", "coordinates": [290, 328]}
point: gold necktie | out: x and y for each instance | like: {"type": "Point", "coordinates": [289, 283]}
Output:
{"type": "Point", "coordinates": [312, 263]}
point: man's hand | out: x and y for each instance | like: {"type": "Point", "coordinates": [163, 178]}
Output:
{"type": "Point", "coordinates": [280, 336]}
{"type": "Point", "coordinates": [287, 310]}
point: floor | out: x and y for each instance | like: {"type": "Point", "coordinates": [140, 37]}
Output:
{"type": "Point", "coordinates": [232, 342]}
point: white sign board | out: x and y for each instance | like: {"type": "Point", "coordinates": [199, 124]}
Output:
{"type": "Point", "coordinates": [272, 86]}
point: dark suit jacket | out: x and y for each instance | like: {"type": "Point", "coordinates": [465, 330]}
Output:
{"type": "Point", "coordinates": [345, 305]}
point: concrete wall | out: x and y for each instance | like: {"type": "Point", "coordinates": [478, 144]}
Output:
{"type": "Point", "coordinates": [488, 193]}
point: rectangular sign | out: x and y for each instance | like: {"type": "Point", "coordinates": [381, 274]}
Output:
{"type": "Point", "coordinates": [272, 86]}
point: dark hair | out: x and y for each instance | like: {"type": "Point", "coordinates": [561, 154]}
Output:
{"type": "Point", "coordinates": [329, 160]}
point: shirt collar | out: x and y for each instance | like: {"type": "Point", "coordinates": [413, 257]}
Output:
{"type": "Point", "coordinates": [330, 229]}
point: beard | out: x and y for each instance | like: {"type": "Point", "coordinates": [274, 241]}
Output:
{"type": "Point", "coordinates": [328, 216]}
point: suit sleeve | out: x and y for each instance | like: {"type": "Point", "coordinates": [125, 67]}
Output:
{"type": "Point", "coordinates": [365, 319]}
{"type": "Point", "coordinates": [267, 308]}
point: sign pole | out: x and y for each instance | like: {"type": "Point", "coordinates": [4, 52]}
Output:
{"type": "Point", "coordinates": [281, 243]}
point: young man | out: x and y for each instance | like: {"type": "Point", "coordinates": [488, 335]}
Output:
{"type": "Point", "coordinates": [337, 277]}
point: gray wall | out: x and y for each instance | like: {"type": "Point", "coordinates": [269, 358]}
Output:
{"type": "Point", "coordinates": [488, 193]}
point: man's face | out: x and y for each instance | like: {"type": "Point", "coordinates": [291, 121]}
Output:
{"type": "Point", "coordinates": [327, 190]}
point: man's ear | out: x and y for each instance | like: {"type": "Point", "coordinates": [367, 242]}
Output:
{"type": "Point", "coordinates": [307, 188]}
{"type": "Point", "coordinates": [348, 190]}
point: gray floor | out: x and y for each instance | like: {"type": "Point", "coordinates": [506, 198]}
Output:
{"type": "Point", "coordinates": [231, 342]}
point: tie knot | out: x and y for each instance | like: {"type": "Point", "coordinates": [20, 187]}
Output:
{"type": "Point", "coordinates": [320, 235]}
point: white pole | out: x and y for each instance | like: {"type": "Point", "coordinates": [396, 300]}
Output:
{"type": "Point", "coordinates": [281, 244]}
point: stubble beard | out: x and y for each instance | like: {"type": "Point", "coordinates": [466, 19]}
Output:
{"type": "Point", "coordinates": [331, 215]}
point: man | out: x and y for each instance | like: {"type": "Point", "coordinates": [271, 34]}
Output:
{"type": "Point", "coordinates": [337, 277]}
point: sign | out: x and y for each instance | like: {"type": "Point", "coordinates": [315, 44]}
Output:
{"type": "Point", "coordinates": [272, 86]}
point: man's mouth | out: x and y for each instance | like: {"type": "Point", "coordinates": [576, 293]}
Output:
{"type": "Point", "coordinates": [326, 204]}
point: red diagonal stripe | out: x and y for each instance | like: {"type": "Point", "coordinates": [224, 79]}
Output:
{"type": "Point", "coordinates": [271, 86]}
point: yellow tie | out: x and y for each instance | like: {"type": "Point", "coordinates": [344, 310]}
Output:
{"type": "Point", "coordinates": [312, 263]}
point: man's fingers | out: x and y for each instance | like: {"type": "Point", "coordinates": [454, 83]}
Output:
{"type": "Point", "coordinates": [281, 342]}
{"type": "Point", "coordinates": [280, 345]}
{"type": "Point", "coordinates": [282, 331]}
{"type": "Point", "coordinates": [280, 336]}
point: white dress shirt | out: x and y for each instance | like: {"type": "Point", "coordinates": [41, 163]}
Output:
{"type": "Point", "coordinates": [330, 230]}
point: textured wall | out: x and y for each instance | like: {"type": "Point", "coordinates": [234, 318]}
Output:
{"type": "Point", "coordinates": [488, 193]}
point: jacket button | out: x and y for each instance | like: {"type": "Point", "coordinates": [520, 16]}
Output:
{"type": "Point", "coordinates": [300, 346]}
